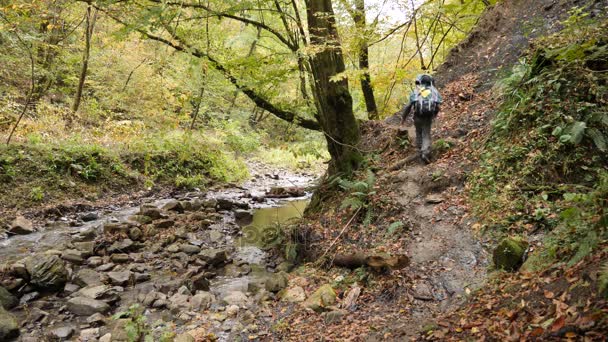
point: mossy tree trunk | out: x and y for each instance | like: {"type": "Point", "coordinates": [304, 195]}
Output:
{"type": "Point", "coordinates": [332, 98]}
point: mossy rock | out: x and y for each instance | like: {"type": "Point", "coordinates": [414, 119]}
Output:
{"type": "Point", "coordinates": [509, 254]}
{"type": "Point", "coordinates": [9, 328]}
{"type": "Point", "coordinates": [324, 297]}
{"type": "Point", "coordinates": [7, 300]}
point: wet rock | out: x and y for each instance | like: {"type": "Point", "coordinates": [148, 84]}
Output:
{"type": "Point", "coordinates": [243, 216]}
{"type": "Point", "coordinates": [164, 224]}
{"type": "Point", "coordinates": [235, 298]}
{"type": "Point", "coordinates": [88, 234]}
{"type": "Point", "coordinates": [185, 337]}
{"type": "Point", "coordinates": [200, 283]}
{"type": "Point", "coordinates": [29, 297]}
{"type": "Point", "coordinates": [215, 236]}
{"type": "Point", "coordinates": [120, 258]}
{"type": "Point", "coordinates": [73, 256]}
{"type": "Point", "coordinates": [210, 203]}
{"type": "Point", "coordinates": [284, 192]}
{"type": "Point", "coordinates": [122, 278]}
{"type": "Point", "coordinates": [96, 320]}
{"type": "Point", "coordinates": [187, 205]}
{"type": "Point", "coordinates": [322, 298]}
{"type": "Point", "coordinates": [150, 211]}
{"type": "Point", "coordinates": [21, 226]}
{"type": "Point", "coordinates": [334, 316]}
{"type": "Point", "coordinates": [116, 228]}
{"type": "Point", "coordinates": [7, 300]}
{"type": "Point", "coordinates": [196, 204]}
{"type": "Point", "coordinates": [509, 254]}
{"type": "Point", "coordinates": [83, 306]}
{"type": "Point", "coordinates": [18, 269]}
{"type": "Point", "coordinates": [92, 216]}
{"type": "Point", "coordinates": [202, 301]}
{"type": "Point", "coordinates": [295, 294]}
{"type": "Point", "coordinates": [276, 282]}
{"type": "Point", "coordinates": [189, 249]}
{"type": "Point", "coordinates": [174, 205]}
{"type": "Point", "coordinates": [285, 266]}
{"type": "Point", "coordinates": [141, 219]}
{"type": "Point", "coordinates": [87, 248]}
{"type": "Point", "coordinates": [46, 271]}
{"type": "Point", "coordinates": [214, 256]}
{"type": "Point", "coordinates": [61, 333]}
{"type": "Point", "coordinates": [87, 277]}
{"type": "Point", "coordinates": [9, 327]}
{"type": "Point", "coordinates": [136, 234]}
{"type": "Point", "coordinates": [122, 246]}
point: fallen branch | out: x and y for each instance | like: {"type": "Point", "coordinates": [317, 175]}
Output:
{"type": "Point", "coordinates": [340, 235]}
{"type": "Point", "coordinates": [376, 262]}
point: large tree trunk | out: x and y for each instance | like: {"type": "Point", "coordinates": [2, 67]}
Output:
{"type": "Point", "coordinates": [332, 98]}
{"type": "Point", "coordinates": [366, 82]}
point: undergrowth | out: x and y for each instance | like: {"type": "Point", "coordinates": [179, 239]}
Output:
{"type": "Point", "coordinates": [544, 167]}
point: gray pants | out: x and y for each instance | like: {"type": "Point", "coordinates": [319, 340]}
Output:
{"type": "Point", "coordinates": [423, 136]}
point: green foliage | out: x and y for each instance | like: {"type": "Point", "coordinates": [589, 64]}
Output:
{"type": "Point", "coordinates": [544, 165]}
{"type": "Point", "coordinates": [136, 326]}
{"type": "Point", "coordinates": [394, 227]}
{"type": "Point", "coordinates": [358, 194]}
{"type": "Point", "coordinates": [37, 194]}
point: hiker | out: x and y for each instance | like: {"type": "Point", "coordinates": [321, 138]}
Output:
{"type": "Point", "coordinates": [425, 100]}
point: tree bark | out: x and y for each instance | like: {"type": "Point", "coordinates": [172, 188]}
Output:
{"type": "Point", "coordinates": [89, 26]}
{"type": "Point", "coordinates": [332, 98]}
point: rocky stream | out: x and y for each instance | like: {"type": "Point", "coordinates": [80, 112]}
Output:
{"type": "Point", "coordinates": [193, 261]}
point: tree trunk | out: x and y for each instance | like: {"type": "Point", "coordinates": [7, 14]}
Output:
{"type": "Point", "coordinates": [332, 98]}
{"type": "Point", "coordinates": [89, 25]}
{"type": "Point", "coordinates": [366, 82]}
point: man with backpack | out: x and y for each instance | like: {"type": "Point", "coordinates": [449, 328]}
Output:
{"type": "Point", "coordinates": [425, 100]}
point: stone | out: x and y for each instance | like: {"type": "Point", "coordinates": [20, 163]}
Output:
{"type": "Point", "coordinates": [179, 302]}
{"type": "Point", "coordinates": [509, 254]}
{"type": "Point", "coordinates": [106, 267]}
{"type": "Point", "coordinates": [199, 282]}
{"type": "Point", "coordinates": [73, 256]}
{"type": "Point", "coordinates": [119, 331]}
{"type": "Point", "coordinates": [9, 328]}
{"type": "Point", "coordinates": [187, 205]}
{"type": "Point", "coordinates": [86, 248]}
{"type": "Point", "coordinates": [18, 269]}
{"type": "Point", "coordinates": [174, 248]}
{"type": "Point", "coordinates": [122, 278]}
{"type": "Point", "coordinates": [92, 216]}
{"type": "Point", "coordinates": [210, 203]}
{"type": "Point", "coordinates": [87, 277]}
{"type": "Point", "coordinates": [141, 219]}
{"type": "Point", "coordinates": [106, 338]}
{"type": "Point", "coordinates": [202, 300]}
{"type": "Point", "coordinates": [322, 298]}
{"type": "Point", "coordinates": [140, 277]}
{"type": "Point", "coordinates": [196, 204]}
{"type": "Point", "coordinates": [232, 310]}
{"type": "Point", "coordinates": [62, 333]}
{"type": "Point", "coordinates": [214, 256]}
{"type": "Point", "coordinates": [151, 211]}
{"type": "Point", "coordinates": [294, 294]}
{"type": "Point", "coordinates": [235, 298]}
{"type": "Point", "coordinates": [122, 246]}
{"type": "Point", "coordinates": [89, 335]}
{"type": "Point", "coordinates": [83, 306]}
{"type": "Point", "coordinates": [174, 205]}
{"type": "Point", "coordinates": [164, 224]}
{"type": "Point", "coordinates": [189, 249]}
{"type": "Point", "coordinates": [95, 261]}
{"type": "Point", "coordinates": [21, 226]}
{"type": "Point", "coordinates": [285, 266]}
{"type": "Point", "coordinates": [46, 271]}
{"type": "Point", "coordinates": [185, 337]}
{"type": "Point", "coordinates": [88, 234]}
{"type": "Point", "coordinates": [29, 297]}
{"type": "Point", "coordinates": [120, 258]}
{"type": "Point", "coordinates": [96, 320]}
{"type": "Point", "coordinates": [136, 234]}
{"type": "Point", "coordinates": [243, 216]}
{"type": "Point", "coordinates": [215, 235]}
{"type": "Point", "coordinates": [116, 228]}
{"type": "Point", "coordinates": [276, 282]}
{"type": "Point", "coordinates": [7, 300]}
{"type": "Point", "coordinates": [100, 292]}
{"type": "Point", "coordinates": [433, 199]}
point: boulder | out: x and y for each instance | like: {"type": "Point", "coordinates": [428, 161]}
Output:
{"type": "Point", "coordinates": [21, 226]}
{"type": "Point", "coordinates": [202, 301]}
{"type": "Point", "coordinates": [179, 302]}
{"type": "Point", "coordinates": [235, 298]}
{"type": "Point", "coordinates": [62, 333]}
{"type": "Point", "coordinates": [136, 234]}
{"type": "Point", "coordinates": [73, 256]}
{"type": "Point", "coordinates": [150, 211]}
{"type": "Point", "coordinates": [276, 282]}
{"type": "Point", "coordinates": [174, 205]}
{"type": "Point", "coordinates": [83, 306]}
{"type": "Point", "coordinates": [87, 248]}
{"type": "Point", "coordinates": [9, 328]}
{"type": "Point", "coordinates": [122, 246]}
{"type": "Point", "coordinates": [46, 271]}
{"type": "Point", "coordinates": [122, 278]}
{"type": "Point", "coordinates": [199, 283]}
{"type": "Point", "coordinates": [116, 228]}
{"type": "Point", "coordinates": [509, 254]}
{"type": "Point", "coordinates": [294, 294]}
{"type": "Point", "coordinates": [189, 249]}
{"type": "Point", "coordinates": [87, 277]}
{"type": "Point", "coordinates": [7, 300]}
{"type": "Point", "coordinates": [322, 298]}
{"type": "Point", "coordinates": [214, 256]}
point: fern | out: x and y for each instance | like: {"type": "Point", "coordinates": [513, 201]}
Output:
{"type": "Point", "coordinates": [598, 138]}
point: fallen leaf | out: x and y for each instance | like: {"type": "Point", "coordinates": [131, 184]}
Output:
{"type": "Point", "coordinates": [549, 294]}
{"type": "Point", "coordinates": [558, 324]}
